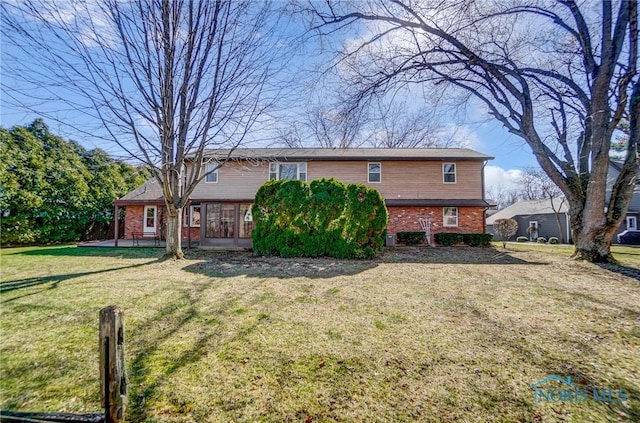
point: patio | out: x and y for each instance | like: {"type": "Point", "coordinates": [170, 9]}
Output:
{"type": "Point", "coordinates": [142, 243]}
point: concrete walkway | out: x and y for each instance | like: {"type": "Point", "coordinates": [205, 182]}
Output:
{"type": "Point", "coordinates": [146, 243]}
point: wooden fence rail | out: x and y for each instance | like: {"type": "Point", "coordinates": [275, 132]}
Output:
{"type": "Point", "coordinates": [113, 379]}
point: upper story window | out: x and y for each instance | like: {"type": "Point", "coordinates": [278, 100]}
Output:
{"type": "Point", "coordinates": [450, 216]}
{"type": "Point", "coordinates": [449, 173]}
{"type": "Point", "coordinates": [213, 176]}
{"type": "Point", "coordinates": [375, 172]}
{"type": "Point", "coordinates": [288, 171]}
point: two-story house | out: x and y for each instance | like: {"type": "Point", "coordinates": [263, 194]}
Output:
{"type": "Point", "coordinates": [442, 186]}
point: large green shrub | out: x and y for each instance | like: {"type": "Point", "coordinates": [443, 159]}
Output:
{"type": "Point", "coordinates": [324, 218]}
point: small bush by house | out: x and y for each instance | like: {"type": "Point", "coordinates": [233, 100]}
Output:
{"type": "Point", "coordinates": [542, 240]}
{"type": "Point", "coordinates": [522, 239]}
{"type": "Point", "coordinates": [410, 238]}
{"type": "Point", "coordinates": [448, 238]}
{"type": "Point", "coordinates": [477, 240]}
{"type": "Point", "coordinates": [553, 240]}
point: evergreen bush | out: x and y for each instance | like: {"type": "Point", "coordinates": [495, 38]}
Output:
{"type": "Point", "coordinates": [323, 218]}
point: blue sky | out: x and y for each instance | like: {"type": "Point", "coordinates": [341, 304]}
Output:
{"type": "Point", "coordinates": [488, 136]}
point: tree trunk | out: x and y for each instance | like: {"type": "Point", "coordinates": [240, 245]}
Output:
{"type": "Point", "coordinates": [174, 233]}
{"type": "Point", "coordinates": [592, 240]}
{"type": "Point", "coordinates": [559, 223]}
{"type": "Point", "coordinates": [594, 245]}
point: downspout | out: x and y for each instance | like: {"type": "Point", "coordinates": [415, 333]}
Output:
{"type": "Point", "coordinates": [189, 224]}
{"type": "Point", "coordinates": [484, 214]}
{"type": "Point", "coordinates": [566, 218]}
{"type": "Point", "coordinates": [115, 229]}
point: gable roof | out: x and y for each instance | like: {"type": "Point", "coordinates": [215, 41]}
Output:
{"type": "Point", "coordinates": [333, 154]}
{"type": "Point", "coordinates": [149, 192]}
{"type": "Point", "coordinates": [528, 208]}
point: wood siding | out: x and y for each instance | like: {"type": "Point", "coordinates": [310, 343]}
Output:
{"type": "Point", "coordinates": [407, 179]}
{"type": "Point", "coordinates": [400, 179]}
{"type": "Point", "coordinates": [236, 181]}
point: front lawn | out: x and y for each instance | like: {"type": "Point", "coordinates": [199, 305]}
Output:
{"type": "Point", "coordinates": [444, 334]}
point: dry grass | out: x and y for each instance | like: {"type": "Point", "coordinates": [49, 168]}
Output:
{"type": "Point", "coordinates": [446, 334]}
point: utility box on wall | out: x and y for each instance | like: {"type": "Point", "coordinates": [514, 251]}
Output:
{"type": "Point", "coordinates": [390, 240]}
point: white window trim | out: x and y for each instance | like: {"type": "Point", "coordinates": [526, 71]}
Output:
{"type": "Point", "coordinates": [150, 229]}
{"type": "Point", "coordinates": [277, 172]}
{"type": "Point", "coordinates": [635, 220]}
{"type": "Point", "coordinates": [215, 172]}
{"type": "Point", "coordinates": [444, 217]}
{"type": "Point", "coordinates": [455, 173]}
{"type": "Point", "coordinates": [369, 172]}
{"type": "Point", "coordinates": [189, 216]}
{"type": "Point", "coordinates": [535, 224]}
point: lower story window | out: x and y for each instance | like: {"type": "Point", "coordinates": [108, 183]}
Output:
{"type": "Point", "coordinates": [220, 220]}
{"type": "Point", "coordinates": [192, 216]}
{"type": "Point", "coordinates": [227, 220]}
{"type": "Point", "coordinates": [246, 221]}
{"type": "Point", "coordinates": [450, 216]}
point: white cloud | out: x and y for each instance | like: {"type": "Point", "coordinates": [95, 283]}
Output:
{"type": "Point", "coordinates": [455, 135]}
{"type": "Point", "coordinates": [497, 179]}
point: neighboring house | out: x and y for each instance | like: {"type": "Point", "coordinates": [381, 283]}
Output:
{"type": "Point", "coordinates": [443, 186]}
{"type": "Point", "coordinates": [631, 221]}
{"type": "Point", "coordinates": [540, 215]}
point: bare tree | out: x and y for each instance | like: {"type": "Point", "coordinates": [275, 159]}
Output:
{"type": "Point", "coordinates": [167, 78]}
{"type": "Point", "coordinates": [378, 124]}
{"type": "Point", "coordinates": [559, 74]}
{"type": "Point", "coordinates": [506, 228]}
{"type": "Point", "coordinates": [536, 185]}
{"type": "Point", "coordinates": [395, 125]}
{"type": "Point", "coordinates": [336, 127]}
{"type": "Point", "coordinates": [501, 196]}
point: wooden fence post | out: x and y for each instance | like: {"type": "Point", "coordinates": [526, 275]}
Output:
{"type": "Point", "coordinates": [113, 374]}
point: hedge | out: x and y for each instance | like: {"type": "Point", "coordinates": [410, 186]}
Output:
{"type": "Point", "coordinates": [323, 218]}
{"type": "Point", "coordinates": [410, 238]}
{"type": "Point", "coordinates": [448, 238]}
{"type": "Point", "coordinates": [477, 240]}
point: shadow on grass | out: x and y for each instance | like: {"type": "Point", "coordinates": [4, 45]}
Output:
{"type": "Point", "coordinates": [453, 255]}
{"type": "Point", "coordinates": [244, 263]}
{"type": "Point", "coordinates": [620, 269]}
{"type": "Point", "coordinates": [565, 356]}
{"type": "Point", "coordinates": [54, 280]}
{"type": "Point", "coordinates": [153, 365]}
{"type": "Point", "coordinates": [74, 251]}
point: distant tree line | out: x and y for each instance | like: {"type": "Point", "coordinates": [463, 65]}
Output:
{"type": "Point", "coordinates": [53, 190]}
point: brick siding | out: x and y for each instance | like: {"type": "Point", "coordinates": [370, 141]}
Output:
{"type": "Point", "coordinates": [470, 219]}
{"type": "Point", "coordinates": [134, 219]}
